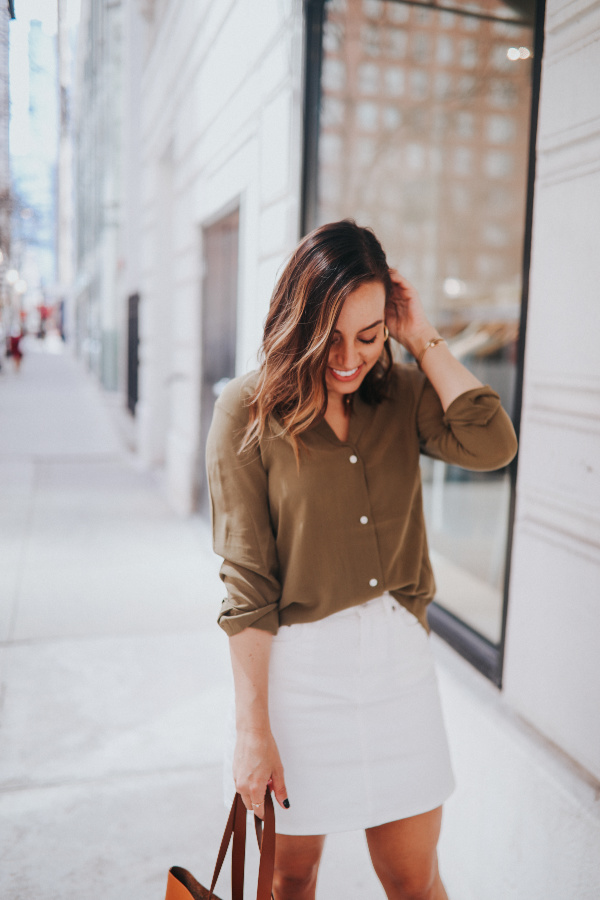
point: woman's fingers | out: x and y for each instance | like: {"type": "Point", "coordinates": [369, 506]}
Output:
{"type": "Point", "coordinates": [402, 288]}
{"type": "Point", "coordinates": [258, 807]}
{"type": "Point", "coordinates": [256, 803]}
{"type": "Point", "coordinates": [277, 783]}
{"type": "Point", "coordinates": [404, 313]}
{"type": "Point", "coordinates": [252, 800]}
{"type": "Point", "coordinates": [400, 281]}
{"type": "Point", "coordinates": [252, 791]}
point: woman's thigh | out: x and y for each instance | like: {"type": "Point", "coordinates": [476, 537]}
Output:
{"type": "Point", "coordinates": [404, 852]}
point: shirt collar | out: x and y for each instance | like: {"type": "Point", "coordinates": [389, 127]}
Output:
{"type": "Point", "coordinates": [359, 417]}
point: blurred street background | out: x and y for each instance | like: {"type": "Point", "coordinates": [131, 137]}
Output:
{"type": "Point", "coordinates": [159, 161]}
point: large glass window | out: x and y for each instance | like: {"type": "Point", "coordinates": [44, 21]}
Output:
{"type": "Point", "coordinates": [418, 125]}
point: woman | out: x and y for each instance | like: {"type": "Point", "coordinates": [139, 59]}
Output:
{"type": "Point", "coordinates": [313, 466]}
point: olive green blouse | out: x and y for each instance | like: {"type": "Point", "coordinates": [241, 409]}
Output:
{"type": "Point", "coordinates": [300, 543]}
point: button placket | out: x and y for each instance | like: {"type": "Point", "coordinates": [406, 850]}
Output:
{"type": "Point", "coordinates": [364, 519]}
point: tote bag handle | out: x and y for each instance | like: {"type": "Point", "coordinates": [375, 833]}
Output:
{"type": "Point", "coordinates": [236, 826]}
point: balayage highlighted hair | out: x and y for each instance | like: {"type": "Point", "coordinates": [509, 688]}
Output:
{"type": "Point", "coordinates": [325, 268]}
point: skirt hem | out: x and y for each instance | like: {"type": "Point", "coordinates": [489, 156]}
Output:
{"type": "Point", "coordinates": [336, 827]}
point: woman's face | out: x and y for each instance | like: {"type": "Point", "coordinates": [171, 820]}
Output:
{"type": "Point", "coordinates": [357, 340]}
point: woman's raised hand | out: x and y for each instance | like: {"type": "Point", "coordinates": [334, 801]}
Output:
{"type": "Point", "coordinates": [256, 765]}
{"type": "Point", "coordinates": [405, 316]}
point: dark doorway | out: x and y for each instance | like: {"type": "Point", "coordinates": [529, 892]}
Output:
{"type": "Point", "coordinates": [133, 342]}
{"type": "Point", "coordinates": [219, 324]}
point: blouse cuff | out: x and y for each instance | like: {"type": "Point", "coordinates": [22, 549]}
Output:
{"type": "Point", "coordinates": [233, 621]}
{"type": "Point", "coordinates": [474, 407]}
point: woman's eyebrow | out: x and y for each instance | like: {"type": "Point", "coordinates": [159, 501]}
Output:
{"type": "Point", "coordinates": [367, 328]}
{"type": "Point", "coordinates": [378, 322]}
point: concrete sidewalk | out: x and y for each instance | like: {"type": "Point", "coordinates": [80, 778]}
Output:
{"type": "Point", "coordinates": [114, 673]}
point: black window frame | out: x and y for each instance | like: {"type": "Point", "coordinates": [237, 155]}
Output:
{"type": "Point", "coordinates": [483, 654]}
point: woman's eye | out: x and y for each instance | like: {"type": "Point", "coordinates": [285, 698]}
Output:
{"type": "Point", "coordinates": [371, 341]}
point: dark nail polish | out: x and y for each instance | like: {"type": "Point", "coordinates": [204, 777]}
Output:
{"type": "Point", "coordinates": [286, 803]}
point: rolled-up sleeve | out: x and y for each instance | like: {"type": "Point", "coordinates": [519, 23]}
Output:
{"type": "Point", "coordinates": [242, 530]}
{"type": "Point", "coordinates": [475, 432]}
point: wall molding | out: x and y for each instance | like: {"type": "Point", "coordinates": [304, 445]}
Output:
{"type": "Point", "coordinates": [569, 154]}
{"type": "Point", "coordinates": [571, 172]}
{"type": "Point", "coordinates": [565, 403]}
{"type": "Point", "coordinates": [556, 535]}
{"type": "Point", "coordinates": [570, 34]}
{"type": "Point", "coordinates": [556, 513]}
{"type": "Point", "coordinates": [566, 421]}
{"type": "Point", "coordinates": [573, 400]}
{"type": "Point", "coordinates": [571, 135]}
{"type": "Point", "coordinates": [572, 12]}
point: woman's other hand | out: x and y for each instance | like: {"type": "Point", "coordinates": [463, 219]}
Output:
{"type": "Point", "coordinates": [405, 316]}
{"type": "Point", "coordinates": [256, 765]}
{"type": "Point", "coordinates": [408, 324]}
{"type": "Point", "coordinates": [256, 760]}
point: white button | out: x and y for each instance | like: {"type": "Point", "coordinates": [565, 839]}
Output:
{"type": "Point", "coordinates": [353, 458]}
{"type": "Point", "coordinates": [363, 520]}
{"type": "Point", "coordinates": [373, 582]}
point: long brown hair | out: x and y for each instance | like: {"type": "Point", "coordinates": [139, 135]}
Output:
{"type": "Point", "coordinates": [325, 268]}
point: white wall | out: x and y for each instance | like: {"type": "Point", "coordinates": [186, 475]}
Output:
{"type": "Point", "coordinates": [221, 84]}
{"type": "Point", "coordinates": [98, 116]}
{"type": "Point", "coordinates": [552, 673]}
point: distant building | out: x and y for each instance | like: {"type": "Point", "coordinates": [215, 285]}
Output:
{"type": "Point", "coordinates": [6, 198]}
{"type": "Point", "coordinates": [34, 174]}
{"type": "Point", "coordinates": [244, 125]}
{"type": "Point", "coordinates": [98, 190]}
{"type": "Point", "coordinates": [5, 186]}
{"type": "Point", "coordinates": [66, 45]}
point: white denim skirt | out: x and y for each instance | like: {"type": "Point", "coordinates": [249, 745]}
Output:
{"type": "Point", "coordinates": [355, 712]}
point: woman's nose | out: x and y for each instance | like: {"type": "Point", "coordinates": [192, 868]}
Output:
{"type": "Point", "coordinates": [347, 357]}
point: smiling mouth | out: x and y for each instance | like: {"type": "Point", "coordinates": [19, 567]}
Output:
{"type": "Point", "coordinates": [345, 374]}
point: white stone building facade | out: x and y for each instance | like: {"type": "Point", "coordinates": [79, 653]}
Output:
{"type": "Point", "coordinates": [95, 322]}
{"type": "Point", "coordinates": [5, 185]}
{"type": "Point", "coordinates": [226, 134]}
{"type": "Point", "coordinates": [213, 147]}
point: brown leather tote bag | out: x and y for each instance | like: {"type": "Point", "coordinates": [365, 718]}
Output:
{"type": "Point", "coordinates": [181, 884]}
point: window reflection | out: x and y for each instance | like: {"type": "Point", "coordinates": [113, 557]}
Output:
{"type": "Point", "coordinates": [424, 134]}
